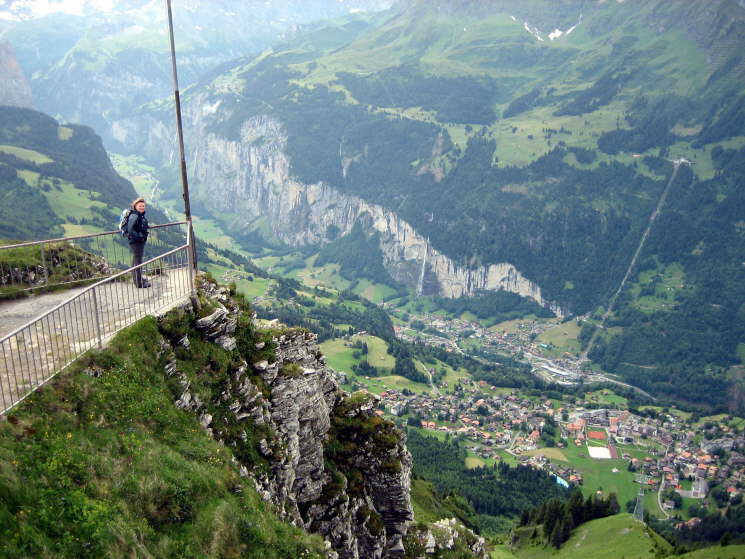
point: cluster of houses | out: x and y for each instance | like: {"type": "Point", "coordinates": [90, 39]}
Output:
{"type": "Point", "coordinates": [491, 420]}
{"type": "Point", "coordinates": [493, 423]}
{"type": "Point", "coordinates": [457, 328]}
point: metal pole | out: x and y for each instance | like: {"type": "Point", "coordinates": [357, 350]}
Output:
{"type": "Point", "coordinates": [7, 375]}
{"type": "Point", "coordinates": [179, 127]}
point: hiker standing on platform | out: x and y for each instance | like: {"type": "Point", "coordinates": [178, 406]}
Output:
{"type": "Point", "coordinates": [137, 231]}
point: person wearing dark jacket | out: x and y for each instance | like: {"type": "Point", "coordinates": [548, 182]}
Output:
{"type": "Point", "coordinates": [137, 231]}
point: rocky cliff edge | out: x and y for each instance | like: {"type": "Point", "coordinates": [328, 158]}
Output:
{"type": "Point", "coordinates": [325, 459]}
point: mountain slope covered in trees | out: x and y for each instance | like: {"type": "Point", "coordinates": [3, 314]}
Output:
{"type": "Point", "coordinates": [540, 133]}
{"type": "Point", "coordinates": [56, 180]}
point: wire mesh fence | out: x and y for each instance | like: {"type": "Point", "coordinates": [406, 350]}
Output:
{"type": "Point", "coordinates": [35, 352]}
{"type": "Point", "coordinates": [52, 263]}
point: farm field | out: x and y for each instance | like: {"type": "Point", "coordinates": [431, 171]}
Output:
{"type": "Point", "coordinates": [26, 154]}
{"type": "Point", "coordinates": [452, 377]}
{"type": "Point", "coordinates": [599, 474]}
{"type": "Point", "coordinates": [562, 338]}
{"type": "Point", "coordinates": [340, 357]}
{"type": "Point", "coordinates": [606, 397]}
{"type": "Point", "coordinates": [656, 289]}
{"type": "Point", "coordinates": [474, 462]}
{"type": "Point", "coordinates": [555, 454]}
{"type": "Point", "coordinates": [396, 382]}
{"type": "Point", "coordinates": [375, 292]}
{"type": "Point", "coordinates": [257, 287]}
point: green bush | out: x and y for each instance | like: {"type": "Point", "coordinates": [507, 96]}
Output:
{"type": "Point", "coordinates": [291, 370]}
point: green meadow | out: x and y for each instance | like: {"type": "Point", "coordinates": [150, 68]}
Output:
{"type": "Point", "coordinates": [613, 537]}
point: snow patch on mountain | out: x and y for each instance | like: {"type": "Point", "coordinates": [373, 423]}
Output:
{"type": "Point", "coordinates": [555, 34]}
{"type": "Point", "coordinates": [533, 31]}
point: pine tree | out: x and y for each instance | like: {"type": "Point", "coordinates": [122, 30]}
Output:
{"type": "Point", "coordinates": [613, 506]}
{"type": "Point", "coordinates": [567, 525]}
{"type": "Point", "coordinates": [557, 534]}
{"type": "Point", "coordinates": [576, 508]}
{"type": "Point", "coordinates": [524, 518]}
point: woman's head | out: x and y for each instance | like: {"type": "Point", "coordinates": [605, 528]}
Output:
{"type": "Point", "coordinates": [139, 205]}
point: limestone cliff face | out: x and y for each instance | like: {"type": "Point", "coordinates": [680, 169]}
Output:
{"type": "Point", "coordinates": [250, 178]}
{"type": "Point", "coordinates": [331, 465]}
{"type": "Point", "coordinates": [14, 88]}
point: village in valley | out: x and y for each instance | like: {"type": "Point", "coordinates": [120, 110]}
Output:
{"type": "Point", "coordinates": [674, 462]}
{"type": "Point", "coordinates": [661, 453]}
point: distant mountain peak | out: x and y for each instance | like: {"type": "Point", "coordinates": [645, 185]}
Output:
{"type": "Point", "coordinates": [21, 10]}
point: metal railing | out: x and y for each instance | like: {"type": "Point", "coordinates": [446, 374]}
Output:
{"type": "Point", "coordinates": [56, 262]}
{"type": "Point", "coordinates": [34, 353]}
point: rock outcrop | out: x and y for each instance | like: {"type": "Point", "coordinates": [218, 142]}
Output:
{"type": "Point", "coordinates": [446, 537]}
{"type": "Point", "coordinates": [14, 88]}
{"type": "Point", "coordinates": [325, 460]}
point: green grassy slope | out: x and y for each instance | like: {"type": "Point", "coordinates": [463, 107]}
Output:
{"type": "Point", "coordinates": [606, 538]}
{"type": "Point", "coordinates": [612, 538]}
{"type": "Point", "coordinates": [109, 467]}
{"type": "Point", "coordinates": [717, 552]}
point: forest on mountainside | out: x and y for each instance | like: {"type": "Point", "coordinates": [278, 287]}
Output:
{"type": "Point", "coordinates": [38, 156]}
{"type": "Point", "coordinates": [497, 495]}
{"type": "Point", "coordinates": [692, 346]}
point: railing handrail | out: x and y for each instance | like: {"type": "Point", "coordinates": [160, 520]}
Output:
{"type": "Point", "coordinates": [77, 237]}
{"type": "Point", "coordinates": [37, 351]}
{"type": "Point", "coordinates": [89, 288]}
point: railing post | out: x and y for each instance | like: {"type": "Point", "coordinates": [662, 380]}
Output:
{"type": "Point", "coordinates": [98, 321]}
{"type": "Point", "coordinates": [44, 266]}
{"type": "Point", "coordinates": [192, 258]}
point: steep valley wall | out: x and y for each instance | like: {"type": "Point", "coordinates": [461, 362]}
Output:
{"type": "Point", "coordinates": [249, 178]}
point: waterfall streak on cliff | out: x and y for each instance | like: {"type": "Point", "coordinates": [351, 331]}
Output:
{"type": "Point", "coordinates": [420, 286]}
